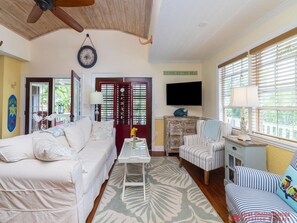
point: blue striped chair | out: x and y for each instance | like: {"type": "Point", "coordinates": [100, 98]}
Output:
{"type": "Point", "coordinates": [253, 197]}
{"type": "Point", "coordinates": [200, 151]}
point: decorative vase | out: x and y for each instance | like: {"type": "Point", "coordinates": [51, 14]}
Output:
{"type": "Point", "coordinates": [133, 142]}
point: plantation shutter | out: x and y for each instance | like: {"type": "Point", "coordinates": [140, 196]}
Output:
{"type": "Point", "coordinates": [274, 71]}
{"type": "Point", "coordinates": [233, 73]}
{"type": "Point", "coordinates": [139, 103]}
{"type": "Point", "coordinates": [107, 107]}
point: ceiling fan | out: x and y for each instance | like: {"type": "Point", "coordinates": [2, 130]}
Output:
{"type": "Point", "coordinates": [54, 6]}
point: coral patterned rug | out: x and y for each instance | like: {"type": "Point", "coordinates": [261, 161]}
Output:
{"type": "Point", "coordinates": [171, 196]}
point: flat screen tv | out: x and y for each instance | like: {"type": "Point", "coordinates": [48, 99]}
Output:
{"type": "Point", "coordinates": [185, 93]}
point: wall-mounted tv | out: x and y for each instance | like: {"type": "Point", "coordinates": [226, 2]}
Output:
{"type": "Point", "coordinates": [185, 93]}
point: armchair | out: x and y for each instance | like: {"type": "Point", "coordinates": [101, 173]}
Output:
{"type": "Point", "coordinates": [253, 197]}
{"type": "Point", "coordinates": [203, 152]}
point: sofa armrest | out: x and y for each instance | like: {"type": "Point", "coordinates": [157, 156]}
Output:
{"type": "Point", "coordinates": [190, 140]}
{"type": "Point", "coordinates": [257, 179]}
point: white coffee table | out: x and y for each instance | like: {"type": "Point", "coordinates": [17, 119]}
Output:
{"type": "Point", "coordinates": [139, 154]}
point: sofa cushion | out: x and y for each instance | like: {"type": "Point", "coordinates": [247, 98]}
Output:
{"type": "Point", "coordinates": [252, 205]}
{"type": "Point", "coordinates": [16, 148]}
{"type": "Point", "coordinates": [94, 157]}
{"type": "Point", "coordinates": [86, 126]}
{"type": "Point", "coordinates": [49, 149]}
{"type": "Point", "coordinates": [102, 130]}
{"type": "Point", "coordinates": [287, 189]}
{"type": "Point", "coordinates": [75, 137]}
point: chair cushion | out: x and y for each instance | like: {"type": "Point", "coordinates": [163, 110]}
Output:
{"type": "Point", "coordinates": [198, 155]}
{"type": "Point", "coordinates": [287, 189]}
{"type": "Point", "coordinates": [252, 205]}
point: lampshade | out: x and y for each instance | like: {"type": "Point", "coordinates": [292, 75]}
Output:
{"type": "Point", "coordinates": [96, 98]}
{"type": "Point", "coordinates": [244, 97]}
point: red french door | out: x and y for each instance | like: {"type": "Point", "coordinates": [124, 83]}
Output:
{"type": "Point", "coordinates": [129, 104]}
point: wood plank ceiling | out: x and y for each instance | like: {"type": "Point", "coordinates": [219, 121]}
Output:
{"type": "Point", "coordinates": [130, 16]}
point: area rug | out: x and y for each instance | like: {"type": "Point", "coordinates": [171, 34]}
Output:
{"type": "Point", "coordinates": [171, 196]}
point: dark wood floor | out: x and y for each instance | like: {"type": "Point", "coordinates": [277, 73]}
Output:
{"type": "Point", "coordinates": [214, 192]}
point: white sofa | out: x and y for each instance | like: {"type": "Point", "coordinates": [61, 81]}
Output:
{"type": "Point", "coordinates": [32, 190]}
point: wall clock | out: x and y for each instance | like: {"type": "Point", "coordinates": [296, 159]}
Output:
{"type": "Point", "coordinates": [87, 56]}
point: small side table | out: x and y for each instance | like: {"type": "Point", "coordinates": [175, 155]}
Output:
{"type": "Point", "coordinates": [243, 153]}
{"type": "Point", "coordinates": [128, 155]}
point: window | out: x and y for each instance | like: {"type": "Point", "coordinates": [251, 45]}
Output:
{"type": "Point", "coordinates": [233, 73]}
{"type": "Point", "coordinates": [274, 71]}
{"type": "Point", "coordinates": [273, 68]}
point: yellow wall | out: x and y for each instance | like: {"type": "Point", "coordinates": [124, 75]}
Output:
{"type": "Point", "coordinates": [278, 159]}
{"type": "Point", "coordinates": [10, 73]}
{"type": "Point", "coordinates": [1, 91]}
{"type": "Point", "coordinates": [159, 132]}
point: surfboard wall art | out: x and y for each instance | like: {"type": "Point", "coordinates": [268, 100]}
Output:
{"type": "Point", "coordinates": [12, 113]}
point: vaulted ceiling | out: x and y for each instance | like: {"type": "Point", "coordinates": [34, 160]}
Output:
{"type": "Point", "coordinates": [130, 16]}
{"type": "Point", "coordinates": [183, 30]}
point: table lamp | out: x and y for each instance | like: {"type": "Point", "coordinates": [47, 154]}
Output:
{"type": "Point", "coordinates": [96, 98]}
{"type": "Point", "coordinates": [244, 97]}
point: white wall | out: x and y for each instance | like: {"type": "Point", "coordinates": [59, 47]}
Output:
{"type": "Point", "coordinates": [14, 45]}
{"type": "Point", "coordinates": [277, 22]}
{"type": "Point", "coordinates": [119, 54]}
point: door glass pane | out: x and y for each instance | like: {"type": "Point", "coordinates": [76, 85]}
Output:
{"type": "Point", "coordinates": [38, 106]}
{"type": "Point", "coordinates": [231, 161]}
{"type": "Point", "coordinates": [62, 96]}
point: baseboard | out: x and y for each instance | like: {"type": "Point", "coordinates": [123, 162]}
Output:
{"type": "Point", "coordinates": [158, 148]}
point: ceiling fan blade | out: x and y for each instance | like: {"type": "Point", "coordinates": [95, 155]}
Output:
{"type": "Point", "coordinates": [61, 14]}
{"type": "Point", "coordinates": [73, 3]}
{"type": "Point", "coordinates": [34, 14]}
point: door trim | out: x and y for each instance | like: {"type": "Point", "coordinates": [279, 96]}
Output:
{"type": "Point", "coordinates": [27, 106]}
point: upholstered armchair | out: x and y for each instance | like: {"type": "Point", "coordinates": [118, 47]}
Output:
{"type": "Point", "coordinates": [204, 152]}
{"type": "Point", "coordinates": [253, 198]}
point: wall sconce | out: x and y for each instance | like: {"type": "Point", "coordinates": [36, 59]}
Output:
{"type": "Point", "coordinates": [13, 85]}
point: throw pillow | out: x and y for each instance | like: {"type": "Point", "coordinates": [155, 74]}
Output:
{"type": "Point", "coordinates": [50, 150]}
{"type": "Point", "coordinates": [58, 133]}
{"type": "Point", "coordinates": [86, 126]}
{"type": "Point", "coordinates": [287, 189]}
{"type": "Point", "coordinates": [102, 130]}
{"type": "Point", "coordinates": [16, 148]}
{"type": "Point", "coordinates": [75, 137]}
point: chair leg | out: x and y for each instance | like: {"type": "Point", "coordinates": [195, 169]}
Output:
{"type": "Point", "coordinates": [180, 162]}
{"type": "Point", "coordinates": [206, 177]}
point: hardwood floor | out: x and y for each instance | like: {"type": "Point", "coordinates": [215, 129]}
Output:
{"type": "Point", "coordinates": [214, 192]}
